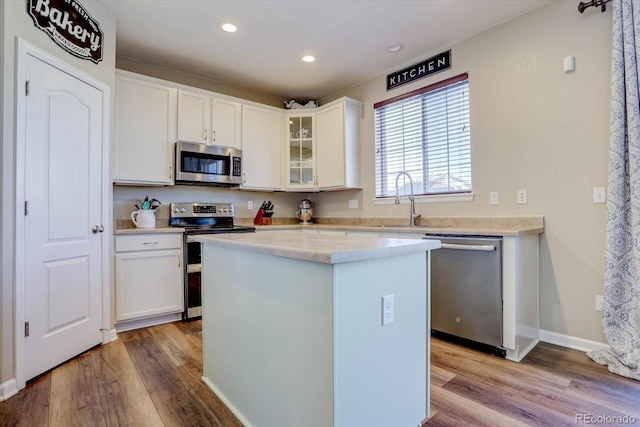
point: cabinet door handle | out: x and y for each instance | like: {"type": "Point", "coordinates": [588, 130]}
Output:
{"type": "Point", "coordinates": [170, 172]}
{"type": "Point", "coordinates": [244, 178]}
{"type": "Point", "coordinates": [214, 136]}
{"type": "Point", "coordinates": [178, 256]}
{"type": "Point", "coordinates": [149, 243]}
{"type": "Point", "coordinates": [205, 134]}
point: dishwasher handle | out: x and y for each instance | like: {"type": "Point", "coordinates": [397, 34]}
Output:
{"type": "Point", "coordinates": [459, 247]}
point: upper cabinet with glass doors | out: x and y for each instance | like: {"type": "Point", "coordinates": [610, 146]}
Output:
{"type": "Point", "coordinates": [323, 147]}
{"type": "Point", "coordinates": [301, 151]}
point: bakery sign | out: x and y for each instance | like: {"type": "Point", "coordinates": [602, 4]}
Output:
{"type": "Point", "coordinates": [435, 64]}
{"type": "Point", "coordinates": [69, 25]}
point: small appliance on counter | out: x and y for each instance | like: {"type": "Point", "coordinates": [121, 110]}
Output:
{"type": "Point", "coordinates": [305, 212]}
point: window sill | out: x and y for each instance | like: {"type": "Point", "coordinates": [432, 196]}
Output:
{"type": "Point", "coordinates": [436, 198]}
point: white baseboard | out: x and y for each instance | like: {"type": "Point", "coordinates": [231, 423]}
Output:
{"type": "Point", "coordinates": [8, 389]}
{"type": "Point", "coordinates": [226, 401]}
{"type": "Point", "coordinates": [571, 342]}
{"type": "Point", "coordinates": [129, 325]}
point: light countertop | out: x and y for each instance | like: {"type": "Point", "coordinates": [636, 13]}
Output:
{"type": "Point", "coordinates": [478, 230]}
{"type": "Point", "coordinates": [483, 226]}
{"type": "Point", "coordinates": [326, 249]}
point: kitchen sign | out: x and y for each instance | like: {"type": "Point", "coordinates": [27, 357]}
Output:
{"type": "Point", "coordinates": [69, 25]}
{"type": "Point", "coordinates": [433, 65]}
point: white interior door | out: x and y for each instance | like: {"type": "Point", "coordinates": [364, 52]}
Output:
{"type": "Point", "coordinates": [63, 193]}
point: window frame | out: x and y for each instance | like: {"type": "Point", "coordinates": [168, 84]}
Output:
{"type": "Point", "coordinates": [446, 196]}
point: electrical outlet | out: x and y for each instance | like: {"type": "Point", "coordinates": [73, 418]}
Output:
{"type": "Point", "coordinates": [522, 197]}
{"type": "Point", "coordinates": [250, 204]}
{"type": "Point", "coordinates": [494, 198]}
{"type": "Point", "coordinates": [599, 303]}
{"type": "Point", "coordinates": [388, 309]}
{"type": "Point", "coordinates": [599, 195]}
{"type": "Point", "coordinates": [353, 204]}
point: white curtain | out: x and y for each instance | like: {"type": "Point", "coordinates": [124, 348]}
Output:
{"type": "Point", "coordinates": [621, 315]}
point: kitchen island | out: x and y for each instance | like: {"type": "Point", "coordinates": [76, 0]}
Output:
{"type": "Point", "coordinates": [295, 332]}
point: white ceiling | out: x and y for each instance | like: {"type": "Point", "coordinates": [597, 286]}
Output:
{"type": "Point", "coordinates": [349, 38]}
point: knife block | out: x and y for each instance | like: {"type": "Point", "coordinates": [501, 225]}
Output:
{"type": "Point", "coordinates": [263, 217]}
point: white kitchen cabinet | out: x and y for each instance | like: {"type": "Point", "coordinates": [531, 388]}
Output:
{"type": "Point", "coordinates": [323, 147]}
{"type": "Point", "coordinates": [148, 276]}
{"type": "Point", "coordinates": [520, 295]}
{"type": "Point", "coordinates": [226, 122]}
{"type": "Point", "coordinates": [145, 130]}
{"type": "Point", "coordinates": [262, 133]}
{"type": "Point", "coordinates": [194, 117]}
{"type": "Point", "coordinates": [207, 119]}
{"type": "Point", "coordinates": [338, 132]}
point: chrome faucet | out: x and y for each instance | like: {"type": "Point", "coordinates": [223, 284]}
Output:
{"type": "Point", "coordinates": [414, 215]}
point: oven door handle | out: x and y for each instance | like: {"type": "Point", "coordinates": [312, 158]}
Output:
{"type": "Point", "coordinates": [194, 268]}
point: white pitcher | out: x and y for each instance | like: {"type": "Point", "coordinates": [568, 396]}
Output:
{"type": "Point", "coordinates": [144, 218]}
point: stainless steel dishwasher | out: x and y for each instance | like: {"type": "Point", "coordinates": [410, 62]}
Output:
{"type": "Point", "coordinates": [466, 291]}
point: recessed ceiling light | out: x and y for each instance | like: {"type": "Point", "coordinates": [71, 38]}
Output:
{"type": "Point", "coordinates": [308, 58]}
{"type": "Point", "coordinates": [394, 47]}
{"type": "Point", "coordinates": [228, 27]}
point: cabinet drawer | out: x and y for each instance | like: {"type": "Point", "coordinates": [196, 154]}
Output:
{"type": "Point", "coordinates": [148, 242]}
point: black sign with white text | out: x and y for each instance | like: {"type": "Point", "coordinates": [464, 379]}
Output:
{"type": "Point", "coordinates": [433, 65]}
{"type": "Point", "coordinates": [69, 25]}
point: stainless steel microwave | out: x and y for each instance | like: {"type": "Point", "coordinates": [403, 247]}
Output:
{"type": "Point", "coordinates": [200, 164]}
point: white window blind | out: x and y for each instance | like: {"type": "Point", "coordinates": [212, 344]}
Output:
{"type": "Point", "coordinates": [426, 134]}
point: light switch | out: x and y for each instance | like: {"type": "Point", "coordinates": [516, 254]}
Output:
{"type": "Point", "coordinates": [599, 195]}
{"type": "Point", "coordinates": [494, 198]}
{"type": "Point", "coordinates": [569, 64]}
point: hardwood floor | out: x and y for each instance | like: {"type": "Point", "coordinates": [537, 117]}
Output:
{"type": "Point", "coordinates": [151, 377]}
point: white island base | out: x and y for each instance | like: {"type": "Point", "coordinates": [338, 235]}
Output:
{"type": "Point", "coordinates": [293, 342]}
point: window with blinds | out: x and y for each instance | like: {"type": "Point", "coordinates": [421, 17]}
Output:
{"type": "Point", "coordinates": [426, 134]}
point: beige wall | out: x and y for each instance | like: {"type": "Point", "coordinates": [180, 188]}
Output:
{"type": "Point", "coordinates": [533, 127]}
{"type": "Point", "coordinates": [16, 22]}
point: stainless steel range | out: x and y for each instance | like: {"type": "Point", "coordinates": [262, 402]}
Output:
{"type": "Point", "coordinates": [200, 218]}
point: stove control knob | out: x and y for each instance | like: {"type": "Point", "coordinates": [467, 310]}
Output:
{"type": "Point", "coordinates": [175, 210]}
{"type": "Point", "coordinates": [182, 210]}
